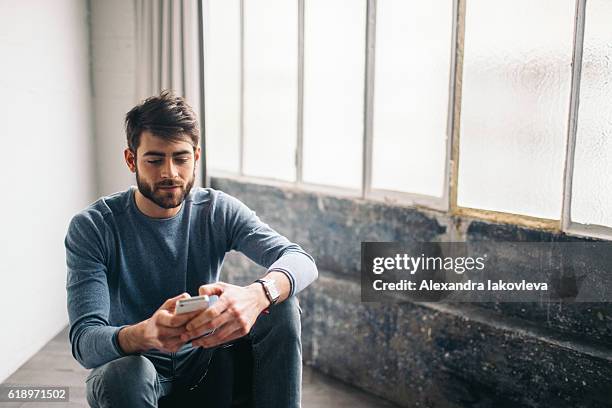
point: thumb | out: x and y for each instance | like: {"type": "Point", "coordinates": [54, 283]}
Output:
{"type": "Point", "coordinates": [211, 289]}
{"type": "Point", "coordinates": [170, 303]}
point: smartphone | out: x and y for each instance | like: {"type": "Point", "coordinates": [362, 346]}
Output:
{"type": "Point", "coordinates": [192, 304]}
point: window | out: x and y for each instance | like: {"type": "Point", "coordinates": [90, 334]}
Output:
{"type": "Point", "coordinates": [476, 108]}
{"type": "Point", "coordinates": [411, 94]}
{"type": "Point", "coordinates": [222, 79]}
{"type": "Point", "coordinates": [334, 69]}
{"type": "Point", "coordinates": [515, 105]}
{"type": "Point", "coordinates": [270, 88]}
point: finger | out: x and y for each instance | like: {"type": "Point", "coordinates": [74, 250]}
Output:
{"type": "Point", "coordinates": [225, 331]}
{"type": "Point", "coordinates": [211, 289]}
{"type": "Point", "coordinates": [196, 331]}
{"type": "Point", "coordinates": [198, 320]}
{"type": "Point", "coordinates": [219, 335]}
{"type": "Point", "coordinates": [205, 321]}
{"type": "Point", "coordinates": [228, 333]}
{"type": "Point", "coordinates": [170, 304]}
{"type": "Point", "coordinates": [207, 341]}
{"type": "Point", "coordinates": [192, 339]}
{"type": "Point", "coordinates": [176, 320]}
{"type": "Point", "coordinates": [209, 314]}
{"type": "Point", "coordinates": [168, 319]}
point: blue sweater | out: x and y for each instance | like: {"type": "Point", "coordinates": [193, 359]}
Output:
{"type": "Point", "coordinates": [122, 264]}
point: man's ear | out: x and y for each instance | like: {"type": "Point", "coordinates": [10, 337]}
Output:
{"type": "Point", "coordinates": [130, 159]}
{"type": "Point", "coordinates": [197, 153]}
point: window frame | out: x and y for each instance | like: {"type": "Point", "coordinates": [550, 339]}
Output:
{"type": "Point", "coordinates": [569, 226]}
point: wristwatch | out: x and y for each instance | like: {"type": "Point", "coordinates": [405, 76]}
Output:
{"type": "Point", "coordinates": [270, 288]}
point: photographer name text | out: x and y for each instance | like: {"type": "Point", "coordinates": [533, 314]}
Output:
{"type": "Point", "coordinates": [469, 285]}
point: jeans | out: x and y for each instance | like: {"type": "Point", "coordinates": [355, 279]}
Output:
{"type": "Point", "coordinates": [140, 380]}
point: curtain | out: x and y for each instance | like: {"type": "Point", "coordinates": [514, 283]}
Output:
{"type": "Point", "coordinates": [169, 54]}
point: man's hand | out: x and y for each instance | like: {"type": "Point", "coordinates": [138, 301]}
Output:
{"type": "Point", "coordinates": [162, 331]}
{"type": "Point", "coordinates": [232, 316]}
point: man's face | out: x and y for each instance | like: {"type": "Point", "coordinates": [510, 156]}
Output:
{"type": "Point", "coordinates": [165, 171]}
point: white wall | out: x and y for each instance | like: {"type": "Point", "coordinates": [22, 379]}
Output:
{"type": "Point", "coordinates": [114, 88]}
{"type": "Point", "coordinates": [47, 167]}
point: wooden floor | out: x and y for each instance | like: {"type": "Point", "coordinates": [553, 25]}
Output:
{"type": "Point", "coordinates": [54, 366]}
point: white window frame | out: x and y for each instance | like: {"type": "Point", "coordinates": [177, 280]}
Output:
{"type": "Point", "coordinates": [569, 226]}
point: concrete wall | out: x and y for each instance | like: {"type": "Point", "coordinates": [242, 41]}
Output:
{"type": "Point", "coordinates": [114, 88]}
{"type": "Point", "coordinates": [47, 165]}
{"type": "Point", "coordinates": [430, 355]}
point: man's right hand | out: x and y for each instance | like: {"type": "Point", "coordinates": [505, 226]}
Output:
{"type": "Point", "coordinates": [161, 331]}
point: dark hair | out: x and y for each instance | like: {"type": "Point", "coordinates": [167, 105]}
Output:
{"type": "Point", "coordinates": [166, 116]}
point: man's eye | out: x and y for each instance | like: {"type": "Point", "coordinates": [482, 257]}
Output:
{"type": "Point", "coordinates": [154, 161]}
{"type": "Point", "coordinates": [182, 159]}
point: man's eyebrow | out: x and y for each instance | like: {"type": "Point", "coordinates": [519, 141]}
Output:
{"type": "Point", "coordinates": [162, 154]}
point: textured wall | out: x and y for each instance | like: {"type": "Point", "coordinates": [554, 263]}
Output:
{"type": "Point", "coordinates": [430, 355]}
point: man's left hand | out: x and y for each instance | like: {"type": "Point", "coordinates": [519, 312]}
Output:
{"type": "Point", "coordinates": [231, 317]}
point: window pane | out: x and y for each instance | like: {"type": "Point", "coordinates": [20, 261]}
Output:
{"type": "Point", "coordinates": [222, 83]}
{"type": "Point", "coordinates": [334, 66]}
{"type": "Point", "coordinates": [413, 55]}
{"type": "Point", "coordinates": [592, 182]}
{"type": "Point", "coordinates": [515, 102]}
{"type": "Point", "coordinates": [270, 88]}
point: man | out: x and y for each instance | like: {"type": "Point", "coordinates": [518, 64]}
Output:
{"type": "Point", "coordinates": [132, 255]}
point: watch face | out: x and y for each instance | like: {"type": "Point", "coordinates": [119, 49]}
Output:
{"type": "Point", "coordinates": [274, 294]}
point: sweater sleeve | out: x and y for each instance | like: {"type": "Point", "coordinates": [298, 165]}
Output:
{"type": "Point", "coordinates": [245, 232]}
{"type": "Point", "coordinates": [94, 342]}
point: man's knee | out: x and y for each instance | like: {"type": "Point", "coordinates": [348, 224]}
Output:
{"type": "Point", "coordinates": [283, 320]}
{"type": "Point", "coordinates": [127, 381]}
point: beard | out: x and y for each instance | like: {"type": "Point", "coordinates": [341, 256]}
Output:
{"type": "Point", "coordinates": [164, 198]}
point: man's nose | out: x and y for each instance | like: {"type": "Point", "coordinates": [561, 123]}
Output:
{"type": "Point", "coordinates": [169, 169]}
